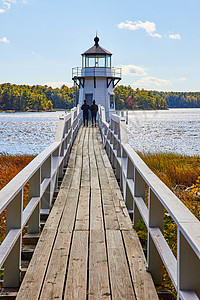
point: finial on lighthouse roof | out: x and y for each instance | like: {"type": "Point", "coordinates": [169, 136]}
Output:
{"type": "Point", "coordinates": [96, 39]}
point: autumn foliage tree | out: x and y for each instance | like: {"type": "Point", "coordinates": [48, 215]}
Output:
{"type": "Point", "coordinates": [34, 98]}
{"type": "Point", "coordinates": [128, 98]}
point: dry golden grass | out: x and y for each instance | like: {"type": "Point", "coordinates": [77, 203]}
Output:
{"type": "Point", "coordinates": [181, 174]}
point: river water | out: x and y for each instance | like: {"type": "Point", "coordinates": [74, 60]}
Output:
{"type": "Point", "coordinates": [27, 133]}
{"type": "Point", "coordinates": [174, 130]}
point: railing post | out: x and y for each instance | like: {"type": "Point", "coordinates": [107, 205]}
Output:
{"type": "Point", "coordinates": [122, 134]}
{"type": "Point", "coordinates": [123, 131]}
{"type": "Point", "coordinates": [13, 262]}
{"type": "Point", "coordinates": [128, 196]}
{"type": "Point", "coordinates": [46, 173]}
{"type": "Point", "coordinates": [188, 266]}
{"type": "Point", "coordinates": [34, 191]}
{"type": "Point", "coordinates": [139, 191]}
{"type": "Point", "coordinates": [156, 215]}
{"type": "Point", "coordinates": [72, 126]}
{"type": "Point", "coordinates": [60, 134]}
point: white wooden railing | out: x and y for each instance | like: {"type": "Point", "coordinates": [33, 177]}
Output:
{"type": "Point", "coordinates": [134, 175]}
{"type": "Point", "coordinates": [42, 174]}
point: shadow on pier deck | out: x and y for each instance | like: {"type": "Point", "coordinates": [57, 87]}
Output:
{"type": "Point", "coordinates": [88, 249]}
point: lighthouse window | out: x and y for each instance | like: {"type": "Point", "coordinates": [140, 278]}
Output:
{"type": "Point", "coordinates": [111, 101]}
{"type": "Point", "coordinates": [91, 62]}
{"type": "Point", "coordinates": [95, 61]}
{"type": "Point", "coordinates": [83, 61]}
{"type": "Point", "coordinates": [108, 62]}
{"type": "Point", "coordinates": [100, 61]}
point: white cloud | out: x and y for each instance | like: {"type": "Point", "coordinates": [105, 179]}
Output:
{"type": "Point", "coordinates": [182, 79]}
{"type": "Point", "coordinates": [133, 70]}
{"type": "Point", "coordinates": [4, 40]}
{"type": "Point", "coordinates": [8, 5]}
{"type": "Point", "coordinates": [174, 36]}
{"type": "Point", "coordinates": [148, 81]}
{"type": "Point", "coordinates": [58, 84]}
{"type": "Point", "coordinates": [149, 27]}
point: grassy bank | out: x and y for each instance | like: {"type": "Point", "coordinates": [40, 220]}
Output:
{"type": "Point", "coordinates": [182, 175]}
{"type": "Point", "coordinates": [9, 167]}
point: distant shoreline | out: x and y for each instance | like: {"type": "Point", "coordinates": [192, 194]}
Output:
{"type": "Point", "coordinates": [31, 111]}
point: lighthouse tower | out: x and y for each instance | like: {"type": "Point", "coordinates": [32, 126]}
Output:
{"type": "Point", "coordinates": [96, 78]}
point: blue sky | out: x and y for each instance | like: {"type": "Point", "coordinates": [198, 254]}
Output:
{"type": "Point", "coordinates": [157, 42]}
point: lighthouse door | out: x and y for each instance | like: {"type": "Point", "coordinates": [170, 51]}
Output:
{"type": "Point", "coordinates": [89, 98]}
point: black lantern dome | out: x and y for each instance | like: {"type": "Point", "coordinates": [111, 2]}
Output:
{"type": "Point", "coordinates": [96, 56]}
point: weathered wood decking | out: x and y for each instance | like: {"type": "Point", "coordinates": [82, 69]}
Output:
{"type": "Point", "coordinates": [88, 249]}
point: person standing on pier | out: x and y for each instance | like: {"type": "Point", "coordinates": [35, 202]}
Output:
{"type": "Point", "coordinates": [94, 110]}
{"type": "Point", "coordinates": [85, 108]}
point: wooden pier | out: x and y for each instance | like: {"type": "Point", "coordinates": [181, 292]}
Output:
{"type": "Point", "coordinates": [88, 249]}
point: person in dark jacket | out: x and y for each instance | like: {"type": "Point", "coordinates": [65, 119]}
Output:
{"type": "Point", "coordinates": [85, 108]}
{"type": "Point", "coordinates": [94, 110]}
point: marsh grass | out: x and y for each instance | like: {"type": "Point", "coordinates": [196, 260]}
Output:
{"type": "Point", "coordinates": [181, 174]}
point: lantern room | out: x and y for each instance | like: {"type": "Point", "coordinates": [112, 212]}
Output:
{"type": "Point", "coordinates": [96, 57]}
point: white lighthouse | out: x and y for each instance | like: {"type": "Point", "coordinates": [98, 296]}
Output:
{"type": "Point", "coordinates": [97, 78]}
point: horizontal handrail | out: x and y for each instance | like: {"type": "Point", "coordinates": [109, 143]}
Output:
{"type": "Point", "coordinates": [42, 174]}
{"type": "Point", "coordinates": [79, 72]}
{"type": "Point", "coordinates": [134, 175]}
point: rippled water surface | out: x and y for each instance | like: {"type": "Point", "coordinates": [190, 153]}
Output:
{"type": "Point", "coordinates": [174, 130]}
{"type": "Point", "coordinates": [27, 133]}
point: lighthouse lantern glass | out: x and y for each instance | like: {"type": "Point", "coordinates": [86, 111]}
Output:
{"type": "Point", "coordinates": [108, 61]}
{"type": "Point", "coordinates": [96, 61]}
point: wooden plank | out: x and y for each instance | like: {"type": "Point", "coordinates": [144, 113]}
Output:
{"type": "Point", "coordinates": [72, 157]}
{"type": "Point", "coordinates": [104, 183]}
{"type": "Point", "coordinates": [67, 178]}
{"type": "Point", "coordinates": [55, 278]}
{"type": "Point", "coordinates": [112, 179]}
{"type": "Point", "coordinates": [96, 217]}
{"type": "Point", "coordinates": [91, 151]}
{"type": "Point", "coordinates": [69, 213]}
{"type": "Point", "coordinates": [142, 280]}
{"type": "Point", "coordinates": [32, 282]}
{"type": "Point", "coordinates": [76, 283]}
{"type": "Point", "coordinates": [123, 217]}
{"type": "Point", "coordinates": [82, 218]}
{"type": "Point", "coordinates": [94, 178]}
{"type": "Point", "coordinates": [76, 179]}
{"type": "Point", "coordinates": [57, 209]}
{"type": "Point", "coordinates": [110, 216]}
{"type": "Point", "coordinates": [121, 284]}
{"type": "Point", "coordinates": [98, 267]}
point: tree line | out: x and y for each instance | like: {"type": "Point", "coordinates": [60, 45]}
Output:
{"type": "Point", "coordinates": [128, 98]}
{"type": "Point", "coordinates": [34, 98]}
{"type": "Point", "coordinates": [39, 98]}
{"type": "Point", "coordinates": [180, 99]}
